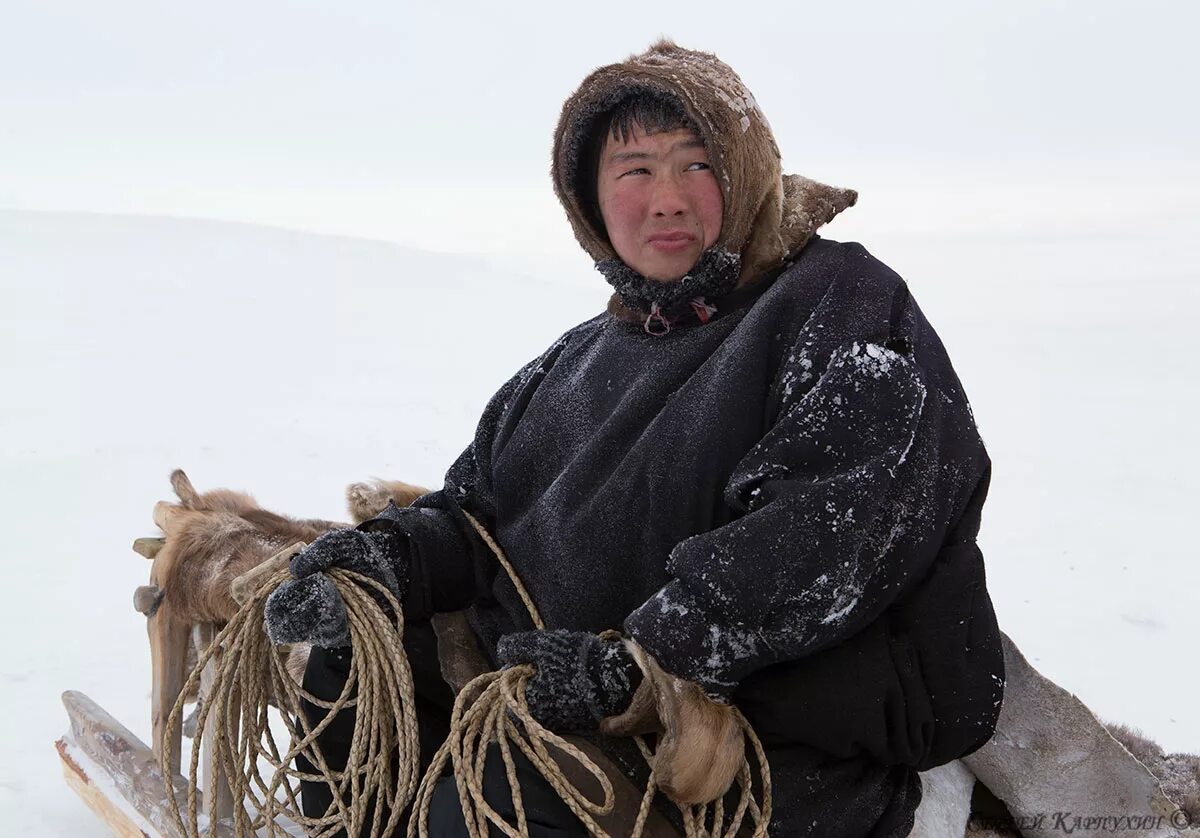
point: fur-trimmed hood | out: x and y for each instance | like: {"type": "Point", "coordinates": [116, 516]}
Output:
{"type": "Point", "coordinates": [768, 216]}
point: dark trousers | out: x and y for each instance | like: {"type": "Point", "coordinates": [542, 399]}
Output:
{"type": "Point", "coordinates": [546, 813]}
{"type": "Point", "coordinates": [325, 677]}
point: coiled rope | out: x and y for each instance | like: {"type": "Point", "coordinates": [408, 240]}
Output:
{"type": "Point", "coordinates": [250, 673]}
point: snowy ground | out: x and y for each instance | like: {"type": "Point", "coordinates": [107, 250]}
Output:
{"type": "Point", "coordinates": [290, 364]}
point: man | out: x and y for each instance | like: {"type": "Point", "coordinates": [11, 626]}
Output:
{"type": "Point", "coordinates": [758, 464]}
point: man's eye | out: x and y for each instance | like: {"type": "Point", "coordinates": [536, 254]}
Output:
{"type": "Point", "coordinates": [698, 163]}
{"type": "Point", "coordinates": [634, 171]}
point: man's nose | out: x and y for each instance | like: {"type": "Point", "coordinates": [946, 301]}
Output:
{"type": "Point", "coordinates": [668, 197]}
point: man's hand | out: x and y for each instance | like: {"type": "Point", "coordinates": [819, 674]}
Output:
{"type": "Point", "coordinates": [309, 609]}
{"type": "Point", "coordinates": [580, 679]}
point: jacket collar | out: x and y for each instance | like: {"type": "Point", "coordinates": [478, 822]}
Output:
{"type": "Point", "coordinates": [696, 311]}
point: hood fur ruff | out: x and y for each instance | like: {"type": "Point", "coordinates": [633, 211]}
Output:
{"type": "Point", "coordinates": [768, 216]}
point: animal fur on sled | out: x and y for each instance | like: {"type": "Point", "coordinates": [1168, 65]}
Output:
{"type": "Point", "coordinates": [211, 538]}
{"type": "Point", "coordinates": [366, 500]}
{"type": "Point", "coordinates": [1179, 773]}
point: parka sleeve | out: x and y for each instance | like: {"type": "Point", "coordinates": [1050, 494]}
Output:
{"type": "Point", "coordinates": [920, 686]}
{"type": "Point", "coordinates": [838, 506]}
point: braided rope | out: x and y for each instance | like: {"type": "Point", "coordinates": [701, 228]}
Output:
{"type": "Point", "coordinates": [501, 696]}
{"type": "Point", "coordinates": [250, 673]}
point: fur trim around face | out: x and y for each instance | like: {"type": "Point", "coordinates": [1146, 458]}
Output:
{"type": "Point", "coordinates": [768, 217]}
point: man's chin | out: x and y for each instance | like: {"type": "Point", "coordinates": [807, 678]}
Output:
{"type": "Point", "coordinates": [667, 272]}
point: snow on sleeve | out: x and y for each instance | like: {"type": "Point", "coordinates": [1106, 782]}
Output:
{"type": "Point", "coordinates": [824, 541]}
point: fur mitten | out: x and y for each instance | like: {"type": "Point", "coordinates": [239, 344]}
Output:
{"type": "Point", "coordinates": [581, 678]}
{"type": "Point", "coordinates": [308, 608]}
{"type": "Point", "coordinates": [700, 746]}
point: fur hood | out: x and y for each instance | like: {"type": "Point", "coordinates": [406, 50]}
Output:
{"type": "Point", "coordinates": [768, 216]}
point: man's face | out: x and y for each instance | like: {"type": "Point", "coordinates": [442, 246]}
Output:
{"type": "Point", "coordinates": [659, 200]}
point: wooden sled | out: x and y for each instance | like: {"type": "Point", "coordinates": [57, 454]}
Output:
{"type": "Point", "coordinates": [118, 776]}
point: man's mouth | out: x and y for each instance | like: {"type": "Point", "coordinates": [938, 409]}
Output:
{"type": "Point", "coordinates": [672, 241]}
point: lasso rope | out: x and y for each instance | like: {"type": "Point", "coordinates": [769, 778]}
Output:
{"type": "Point", "coordinates": [250, 672]}
{"type": "Point", "coordinates": [484, 712]}
{"type": "Point", "coordinates": [490, 709]}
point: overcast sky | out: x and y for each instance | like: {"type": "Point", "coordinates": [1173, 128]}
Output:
{"type": "Point", "coordinates": [432, 124]}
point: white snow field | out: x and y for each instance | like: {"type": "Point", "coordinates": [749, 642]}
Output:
{"type": "Point", "coordinates": [290, 364]}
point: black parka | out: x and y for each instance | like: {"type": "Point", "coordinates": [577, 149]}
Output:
{"type": "Point", "coordinates": [781, 504]}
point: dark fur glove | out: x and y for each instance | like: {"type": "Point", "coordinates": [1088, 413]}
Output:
{"type": "Point", "coordinates": [580, 679]}
{"type": "Point", "coordinates": [308, 608]}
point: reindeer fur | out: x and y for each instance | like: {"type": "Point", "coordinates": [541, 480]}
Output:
{"type": "Point", "coordinates": [211, 538]}
{"type": "Point", "coordinates": [1179, 773]}
{"type": "Point", "coordinates": [366, 500]}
